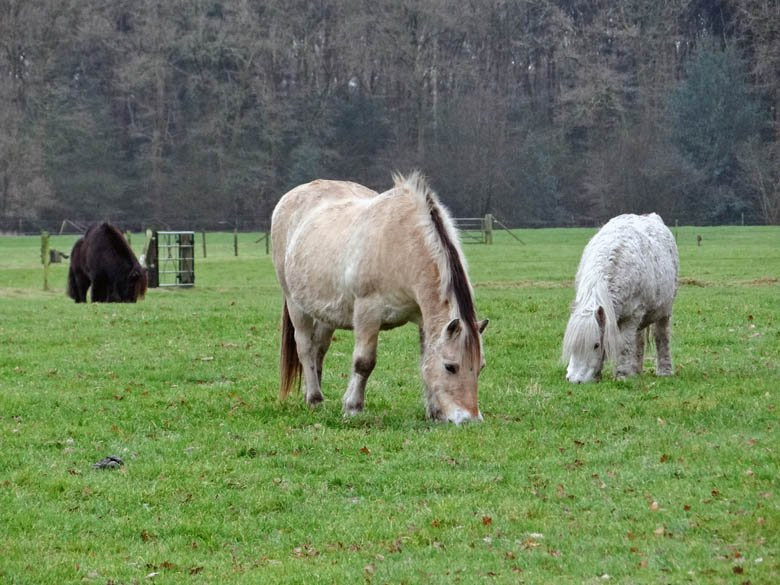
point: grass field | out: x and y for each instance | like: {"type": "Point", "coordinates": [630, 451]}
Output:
{"type": "Point", "coordinates": [650, 480]}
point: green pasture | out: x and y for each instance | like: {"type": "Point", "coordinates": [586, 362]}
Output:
{"type": "Point", "coordinates": [650, 480]}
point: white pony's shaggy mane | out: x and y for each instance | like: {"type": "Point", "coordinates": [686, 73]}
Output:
{"type": "Point", "coordinates": [583, 327]}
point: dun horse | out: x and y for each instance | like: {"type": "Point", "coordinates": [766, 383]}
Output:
{"type": "Point", "coordinates": [626, 281]}
{"type": "Point", "coordinates": [350, 258]}
{"type": "Point", "coordinates": [103, 261]}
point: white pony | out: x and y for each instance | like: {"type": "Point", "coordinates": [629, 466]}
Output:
{"type": "Point", "coordinates": [626, 280]}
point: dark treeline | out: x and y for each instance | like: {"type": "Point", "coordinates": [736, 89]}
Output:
{"type": "Point", "coordinates": [202, 113]}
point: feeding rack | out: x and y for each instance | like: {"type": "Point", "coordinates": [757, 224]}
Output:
{"type": "Point", "coordinates": [170, 258]}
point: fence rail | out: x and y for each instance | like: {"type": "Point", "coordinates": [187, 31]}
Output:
{"type": "Point", "coordinates": [473, 230]}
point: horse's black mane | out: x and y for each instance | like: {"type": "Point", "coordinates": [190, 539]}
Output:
{"type": "Point", "coordinates": [459, 282]}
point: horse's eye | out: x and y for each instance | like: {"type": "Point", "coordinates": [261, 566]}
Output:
{"type": "Point", "coordinates": [451, 368]}
{"type": "Point", "coordinates": [596, 346]}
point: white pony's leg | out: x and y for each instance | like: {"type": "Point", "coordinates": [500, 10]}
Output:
{"type": "Point", "coordinates": [626, 357]}
{"type": "Point", "coordinates": [640, 351]}
{"type": "Point", "coordinates": [305, 329]}
{"type": "Point", "coordinates": [363, 357]}
{"type": "Point", "coordinates": [663, 329]}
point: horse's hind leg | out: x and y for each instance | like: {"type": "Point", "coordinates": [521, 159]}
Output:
{"type": "Point", "coordinates": [305, 334]}
{"type": "Point", "coordinates": [640, 350]}
{"type": "Point", "coordinates": [322, 338]}
{"type": "Point", "coordinates": [663, 330]}
{"type": "Point", "coordinates": [78, 283]}
{"type": "Point", "coordinates": [363, 357]}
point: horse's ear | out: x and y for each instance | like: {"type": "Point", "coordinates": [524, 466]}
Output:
{"type": "Point", "coordinates": [483, 325]}
{"type": "Point", "coordinates": [601, 317]}
{"type": "Point", "coordinates": [453, 328]}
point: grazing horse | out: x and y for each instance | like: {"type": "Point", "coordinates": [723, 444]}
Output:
{"type": "Point", "coordinates": [626, 281]}
{"type": "Point", "coordinates": [350, 258]}
{"type": "Point", "coordinates": [103, 260]}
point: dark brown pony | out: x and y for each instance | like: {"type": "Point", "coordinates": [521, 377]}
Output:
{"type": "Point", "coordinates": [103, 260]}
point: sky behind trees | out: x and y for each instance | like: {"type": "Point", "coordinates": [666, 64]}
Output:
{"type": "Point", "coordinates": [200, 114]}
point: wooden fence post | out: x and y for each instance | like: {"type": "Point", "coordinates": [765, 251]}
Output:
{"type": "Point", "coordinates": [235, 241]}
{"type": "Point", "coordinates": [204, 243]}
{"type": "Point", "coordinates": [45, 259]}
{"type": "Point", "coordinates": [489, 228]}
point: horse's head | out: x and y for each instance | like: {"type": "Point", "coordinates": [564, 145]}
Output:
{"type": "Point", "coordinates": [451, 365]}
{"type": "Point", "coordinates": [141, 281]}
{"type": "Point", "coordinates": [583, 345]}
{"type": "Point", "coordinates": [132, 288]}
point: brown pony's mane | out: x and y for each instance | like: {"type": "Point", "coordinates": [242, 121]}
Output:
{"type": "Point", "coordinates": [122, 247]}
{"type": "Point", "coordinates": [117, 239]}
{"type": "Point", "coordinates": [458, 283]}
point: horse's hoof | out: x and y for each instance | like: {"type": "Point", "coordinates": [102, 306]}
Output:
{"type": "Point", "coordinates": [352, 411]}
{"type": "Point", "coordinates": [315, 400]}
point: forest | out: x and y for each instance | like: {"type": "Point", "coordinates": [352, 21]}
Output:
{"type": "Point", "coordinates": [200, 114]}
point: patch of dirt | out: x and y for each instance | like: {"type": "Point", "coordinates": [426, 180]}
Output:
{"type": "Point", "coordinates": [764, 281]}
{"type": "Point", "coordinates": [692, 282]}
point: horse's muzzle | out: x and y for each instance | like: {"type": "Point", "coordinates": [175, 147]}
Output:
{"type": "Point", "coordinates": [459, 416]}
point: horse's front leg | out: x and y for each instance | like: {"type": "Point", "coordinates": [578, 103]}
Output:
{"type": "Point", "coordinates": [662, 330]}
{"type": "Point", "coordinates": [627, 352]}
{"type": "Point", "coordinates": [363, 357]}
{"type": "Point", "coordinates": [99, 291]}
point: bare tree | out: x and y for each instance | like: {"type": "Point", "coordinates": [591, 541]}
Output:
{"type": "Point", "coordinates": [761, 174]}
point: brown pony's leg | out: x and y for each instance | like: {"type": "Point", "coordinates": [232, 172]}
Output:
{"type": "Point", "coordinates": [78, 283]}
{"type": "Point", "coordinates": [99, 292]}
{"type": "Point", "coordinates": [662, 330]}
{"type": "Point", "coordinates": [363, 357]}
{"type": "Point", "coordinates": [307, 353]}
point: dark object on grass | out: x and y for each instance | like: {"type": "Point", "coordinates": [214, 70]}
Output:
{"type": "Point", "coordinates": [103, 261]}
{"type": "Point", "coordinates": [55, 256]}
{"type": "Point", "coordinates": [110, 462]}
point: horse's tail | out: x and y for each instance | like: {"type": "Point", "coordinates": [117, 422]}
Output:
{"type": "Point", "coordinates": [289, 364]}
{"type": "Point", "coordinates": [72, 286]}
{"type": "Point", "coordinates": [76, 289]}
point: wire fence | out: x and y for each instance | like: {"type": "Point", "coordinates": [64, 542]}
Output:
{"type": "Point", "coordinates": [31, 226]}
